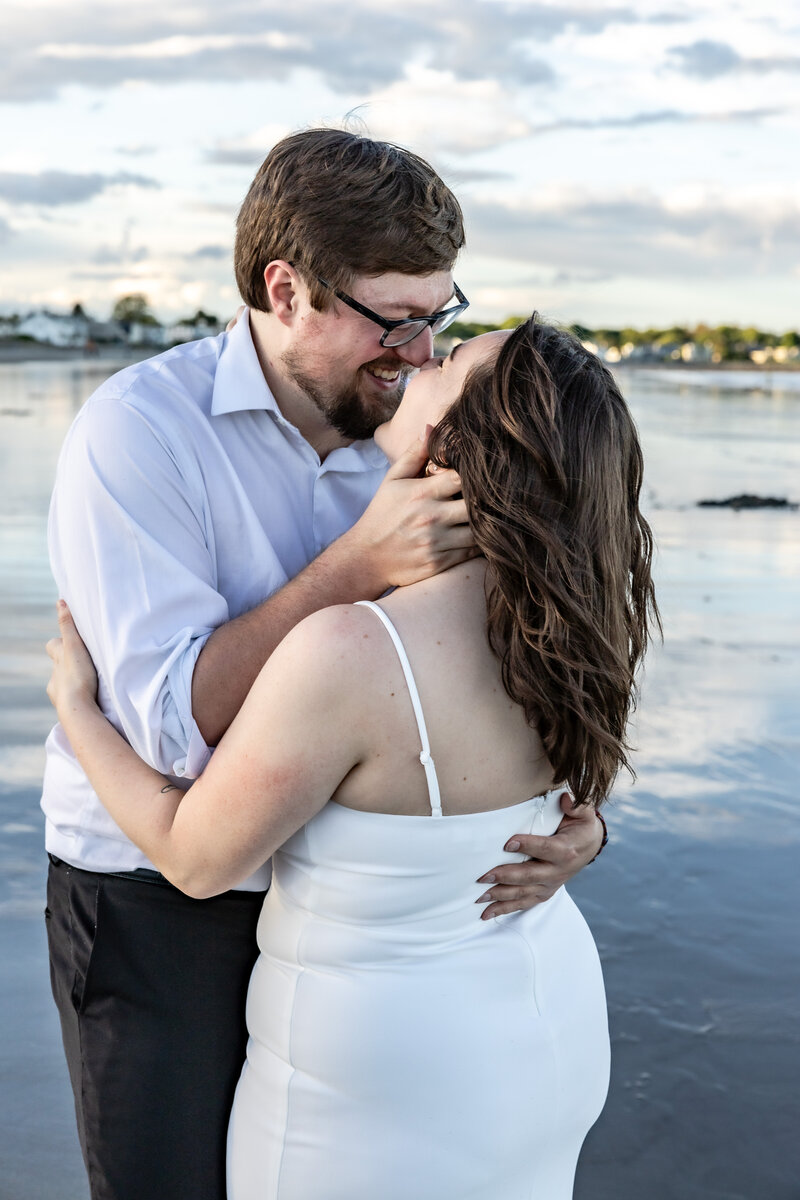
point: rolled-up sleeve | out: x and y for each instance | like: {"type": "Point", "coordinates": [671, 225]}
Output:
{"type": "Point", "coordinates": [129, 543]}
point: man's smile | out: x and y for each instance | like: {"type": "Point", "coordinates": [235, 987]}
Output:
{"type": "Point", "coordinates": [388, 374]}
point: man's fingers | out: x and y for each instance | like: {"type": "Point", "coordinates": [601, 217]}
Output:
{"type": "Point", "coordinates": [499, 893]}
{"type": "Point", "coordinates": [546, 849]}
{"type": "Point", "coordinates": [510, 903]}
{"type": "Point", "coordinates": [53, 648]}
{"type": "Point", "coordinates": [453, 512]}
{"type": "Point", "coordinates": [410, 462]}
{"type": "Point", "coordinates": [451, 558]}
{"type": "Point", "coordinates": [527, 874]}
{"type": "Point", "coordinates": [455, 537]}
{"type": "Point", "coordinates": [510, 906]}
{"type": "Point", "coordinates": [443, 484]}
{"type": "Point", "coordinates": [500, 900]}
{"type": "Point", "coordinates": [499, 910]}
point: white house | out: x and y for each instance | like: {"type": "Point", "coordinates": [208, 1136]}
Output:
{"type": "Point", "coordinates": [57, 329]}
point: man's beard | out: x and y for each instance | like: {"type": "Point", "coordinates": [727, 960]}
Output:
{"type": "Point", "coordinates": [345, 410]}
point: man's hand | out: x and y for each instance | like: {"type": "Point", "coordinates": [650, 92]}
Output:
{"type": "Point", "coordinates": [517, 886]}
{"type": "Point", "coordinates": [413, 528]}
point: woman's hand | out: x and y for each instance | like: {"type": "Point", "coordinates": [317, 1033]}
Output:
{"type": "Point", "coordinates": [73, 681]}
{"type": "Point", "coordinates": [234, 318]}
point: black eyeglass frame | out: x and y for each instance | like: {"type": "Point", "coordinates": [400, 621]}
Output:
{"type": "Point", "coordinates": [387, 325]}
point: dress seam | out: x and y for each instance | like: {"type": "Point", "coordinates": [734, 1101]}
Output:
{"type": "Point", "coordinates": [290, 1055]}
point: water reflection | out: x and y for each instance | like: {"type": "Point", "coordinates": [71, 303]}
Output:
{"type": "Point", "coordinates": [702, 988]}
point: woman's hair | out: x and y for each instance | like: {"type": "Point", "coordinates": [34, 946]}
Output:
{"type": "Point", "coordinates": [551, 471]}
{"type": "Point", "coordinates": [338, 204]}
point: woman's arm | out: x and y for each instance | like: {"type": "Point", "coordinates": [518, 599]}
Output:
{"type": "Point", "coordinates": [294, 740]}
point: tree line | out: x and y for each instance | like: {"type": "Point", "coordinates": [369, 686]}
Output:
{"type": "Point", "coordinates": [728, 342]}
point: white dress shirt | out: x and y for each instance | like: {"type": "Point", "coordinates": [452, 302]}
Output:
{"type": "Point", "coordinates": [183, 498]}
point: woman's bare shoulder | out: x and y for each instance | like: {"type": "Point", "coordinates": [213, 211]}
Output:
{"type": "Point", "coordinates": [342, 642]}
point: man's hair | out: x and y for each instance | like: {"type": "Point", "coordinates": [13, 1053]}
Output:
{"type": "Point", "coordinates": [339, 205]}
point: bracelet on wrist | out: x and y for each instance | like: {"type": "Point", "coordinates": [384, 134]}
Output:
{"type": "Point", "coordinates": [604, 842]}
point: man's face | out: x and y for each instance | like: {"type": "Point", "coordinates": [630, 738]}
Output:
{"type": "Point", "coordinates": [337, 360]}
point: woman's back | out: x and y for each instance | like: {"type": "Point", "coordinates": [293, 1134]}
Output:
{"type": "Point", "coordinates": [486, 754]}
{"type": "Point", "coordinates": [399, 1045]}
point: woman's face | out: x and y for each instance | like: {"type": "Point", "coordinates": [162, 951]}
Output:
{"type": "Point", "coordinates": [433, 389]}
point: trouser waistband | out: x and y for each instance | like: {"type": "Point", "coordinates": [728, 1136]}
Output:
{"type": "Point", "coordinates": [140, 875]}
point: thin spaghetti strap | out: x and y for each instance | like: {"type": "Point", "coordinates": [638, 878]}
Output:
{"type": "Point", "coordinates": [425, 753]}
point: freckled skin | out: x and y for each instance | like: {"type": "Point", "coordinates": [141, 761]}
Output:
{"type": "Point", "coordinates": [484, 751]}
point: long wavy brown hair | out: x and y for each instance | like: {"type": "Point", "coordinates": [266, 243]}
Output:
{"type": "Point", "coordinates": [551, 471]}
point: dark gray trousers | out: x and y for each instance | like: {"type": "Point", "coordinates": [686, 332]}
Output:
{"type": "Point", "coordinates": [150, 987]}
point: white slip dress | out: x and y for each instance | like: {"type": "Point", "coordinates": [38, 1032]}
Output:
{"type": "Point", "coordinates": [400, 1048]}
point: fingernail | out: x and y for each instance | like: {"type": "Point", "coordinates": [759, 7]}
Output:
{"type": "Point", "coordinates": [512, 845]}
{"type": "Point", "coordinates": [62, 604]}
{"type": "Point", "coordinates": [485, 879]}
{"type": "Point", "coordinates": [484, 899]}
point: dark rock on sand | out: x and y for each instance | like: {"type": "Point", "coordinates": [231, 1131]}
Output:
{"type": "Point", "coordinates": [748, 501]}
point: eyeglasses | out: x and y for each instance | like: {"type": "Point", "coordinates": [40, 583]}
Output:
{"type": "Point", "coordinates": [399, 333]}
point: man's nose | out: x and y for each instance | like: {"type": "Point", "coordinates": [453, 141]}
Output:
{"type": "Point", "coordinates": [418, 350]}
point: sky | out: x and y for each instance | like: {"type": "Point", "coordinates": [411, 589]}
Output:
{"type": "Point", "coordinates": [618, 163]}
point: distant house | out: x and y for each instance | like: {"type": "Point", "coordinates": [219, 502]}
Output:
{"type": "Point", "coordinates": [141, 333]}
{"type": "Point", "coordinates": [779, 354]}
{"type": "Point", "coordinates": [106, 331]}
{"type": "Point", "coordinates": [696, 352]}
{"type": "Point", "coordinates": [191, 331]}
{"type": "Point", "coordinates": [56, 329]}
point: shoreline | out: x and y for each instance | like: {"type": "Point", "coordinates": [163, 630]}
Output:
{"type": "Point", "coordinates": [21, 352]}
{"type": "Point", "coordinates": [732, 365]}
{"type": "Point", "coordinates": [43, 352]}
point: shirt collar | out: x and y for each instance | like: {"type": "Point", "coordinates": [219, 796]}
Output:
{"type": "Point", "coordinates": [239, 383]}
{"type": "Point", "coordinates": [240, 386]}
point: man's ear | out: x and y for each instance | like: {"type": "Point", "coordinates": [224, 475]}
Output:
{"type": "Point", "coordinates": [284, 290]}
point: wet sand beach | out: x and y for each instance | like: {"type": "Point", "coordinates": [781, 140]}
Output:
{"type": "Point", "coordinates": [693, 904]}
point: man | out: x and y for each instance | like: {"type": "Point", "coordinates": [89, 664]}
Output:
{"type": "Point", "coordinates": [206, 501]}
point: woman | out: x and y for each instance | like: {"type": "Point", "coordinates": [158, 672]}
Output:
{"type": "Point", "coordinates": [380, 1008]}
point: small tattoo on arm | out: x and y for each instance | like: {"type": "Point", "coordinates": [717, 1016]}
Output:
{"type": "Point", "coordinates": [171, 787]}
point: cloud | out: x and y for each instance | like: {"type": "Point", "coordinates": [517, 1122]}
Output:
{"type": "Point", "coordinates": [461, 176]}
{"type": "Point", "coordinates": [709, 60]}
{"type": "Point", "coordinates": [569, 277]}
{"type": "Point", "coordinates": [211, 252]}
{"type": "Point", "coordinates": [247, 151]}
{"type": "Point", "coordinates": [135, 151]}
{"type": "Point", "coordinates": [359, 47]}
{"type": "Point", "coordinates": [235, 154]}
{"type": "Point", "coordinates": [101, 273]}
{"type": "Point", "coordinates": [5, 230]}
{"type": "Point", "coordinates": [53, 188]}
{"type": "Point", "coordinates": [107, 255]}
{"type": "Point", "coordinates": [479, 115]}
{"type": "Point", "coordinates": [636, 234]}
{"type": "Point", "coordinates": [667, 18]}
{"type": "Point", "coordinates": [660, 117]}
{"type": "Point", "coordinates": [435, 112]}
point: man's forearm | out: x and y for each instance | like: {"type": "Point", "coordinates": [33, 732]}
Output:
{"type": "Point", "coordinates": [235, 652]}
{"type": "Point", "coordinates": [411, 529]}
